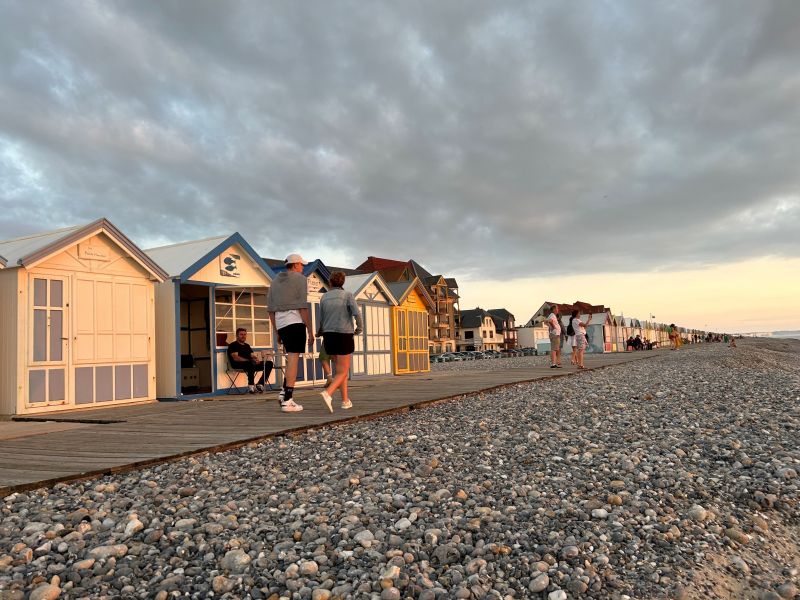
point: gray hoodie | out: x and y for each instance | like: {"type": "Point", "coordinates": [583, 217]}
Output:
{"type": "Point", "coordinates": [289, 291]}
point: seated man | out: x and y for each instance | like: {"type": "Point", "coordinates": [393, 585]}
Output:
{"type": "Point", "coordinates": [241, 356]}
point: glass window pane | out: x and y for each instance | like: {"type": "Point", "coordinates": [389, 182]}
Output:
{"type": "Point", "coordinates": [36, 386]}
{"type": "Point", "coordinates": [40, 292]}
{"type": "Point", "coordinates": [39, 335]}
{"type": "Point", "coordinates": [223, 310]}
{"type": "Point", "coordinates": [56, 332]}
{"type": "Point", "coordinates": [260, 299]}
{"type": "Point", "coordinates": [56, 292]}
{"type": "Point", "coordinates": [261, 326]}
{"type": "Point", "coordinates": [244, 312]}
{"type": "Point", "coordinates": [260, 312]}
{"type": "Point", "coordinates": [225, 325]}
{"type": "Point", "coordinates": [243, 298]}
{"type": "Point", "coordinates": [261, 340]}
{"type": "Point", "coordinates": [224, 296]}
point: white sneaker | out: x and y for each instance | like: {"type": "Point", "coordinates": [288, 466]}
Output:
{"type": "Point", "coordinates": [251, 389]}
{"type": "Point", "coordinates": [281, 396]}
{"type": "Point", "coordinates": [290, 406]}
{"type": "Point", "coordinates": [346, 405]}
{"type": "Point", "coordinates": [260, 388]}
{"type": "Point", "coordinates": [326, 398]}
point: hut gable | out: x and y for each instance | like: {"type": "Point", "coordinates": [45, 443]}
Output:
{"type": "Point", "coordinates": [369, 288]}
{"type": "Point", "coordinates": [97, 247]}
{"type": "Point", "coordinates": [225, 260]}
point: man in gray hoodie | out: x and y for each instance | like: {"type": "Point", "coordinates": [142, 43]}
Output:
{"type": "Point", "coordinates": [287, 304]}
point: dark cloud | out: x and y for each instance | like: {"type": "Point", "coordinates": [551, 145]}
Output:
{"type": "Point", "coordinates": [477, 137]}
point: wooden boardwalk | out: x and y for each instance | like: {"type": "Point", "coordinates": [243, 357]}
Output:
{"type": "Point", "coordinates": [89, 443]}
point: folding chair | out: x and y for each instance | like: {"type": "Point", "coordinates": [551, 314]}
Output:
{"type": "Point", "coordinates": [232, 372]}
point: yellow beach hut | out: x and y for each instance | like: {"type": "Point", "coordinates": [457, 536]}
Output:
{"type": "Point", "coordinates": [410, 327]}
{"type": "Point", "coordinates": [76, 312]}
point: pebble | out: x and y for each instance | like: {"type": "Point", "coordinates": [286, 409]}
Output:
{"type": "Point", "coordinates": [45, 592]}
{"type": "Point", "coordinates": [539, 584]}
{"type": "Point", "coordinates": [617, 498]}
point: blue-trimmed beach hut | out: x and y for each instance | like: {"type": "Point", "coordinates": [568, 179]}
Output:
{"type": "Point", "coordinates": [215, 286]}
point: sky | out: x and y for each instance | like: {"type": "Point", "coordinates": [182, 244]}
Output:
{"type": "Point", "coordinates": [639, 155]}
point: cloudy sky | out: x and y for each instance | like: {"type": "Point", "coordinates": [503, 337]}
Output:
{"type": "Point", "coordinates": [520, 146]}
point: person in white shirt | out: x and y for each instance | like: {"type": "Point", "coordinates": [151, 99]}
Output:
{"type": "Point", "coordinates": [580, 337]}
{"type": "Point", "coordinates": [287, 304]}
{"type": "Point", "coordinates": [554, 331]}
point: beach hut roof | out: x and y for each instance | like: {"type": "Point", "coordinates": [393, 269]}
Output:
{"type": "Point", "coordinates": [30, 250]}
{"type": "Point", "coordinates": [355, 284]}
{"type": "Point", "coordinates": [401, 289]}
{"type": "Point", "coordinates": [3, 261]}
{"type": "Point", "coordinates": [184, 259]}
{"type": "Point", "coordinates": [346, 271]}
{"type": "Point", "coordinates": [315, 266]}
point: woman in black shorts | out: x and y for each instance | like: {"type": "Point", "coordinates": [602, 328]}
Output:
{"type": "Point", "coordinates": [338, 309]}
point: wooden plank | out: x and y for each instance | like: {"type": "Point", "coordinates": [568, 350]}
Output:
{"type": "Point", "coordinates": [153, 433]}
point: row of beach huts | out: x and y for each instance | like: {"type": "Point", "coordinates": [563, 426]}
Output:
{"type": "Point", "coordinates": [89, 319]}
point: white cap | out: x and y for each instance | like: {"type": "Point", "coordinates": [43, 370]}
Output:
{"type": "Point", "coordinates": [295, 258]}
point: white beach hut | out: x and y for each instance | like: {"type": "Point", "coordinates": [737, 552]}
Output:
{"type": "Point", "coordinates": [373, 353]}
{"type": "Point", "coordinates": [215, 286]}
{"type": "Point", "coordinates": [77, 316]}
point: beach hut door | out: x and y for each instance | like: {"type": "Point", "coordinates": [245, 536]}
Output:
{"type": "Point", "coordinates": [49, 341]}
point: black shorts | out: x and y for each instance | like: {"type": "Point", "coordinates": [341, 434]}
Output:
{"type": "Point", "coordinates": [293, 338]}
{"type": "Point", "coordinates": [338, 344]}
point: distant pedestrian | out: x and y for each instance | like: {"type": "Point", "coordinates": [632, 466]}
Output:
{"type": "Point", "coordinates": [672, 331]}
{"type": "Point", "coordinates": [580, 336]}
{"type": "Point", "coordinates": [554, 331]}
{"type": "Point", "coordinates": [287, 304]}
{"type": "Point", "coordinates": [337, 311]}
{"type": "Point", "coordinates": [571, 343]}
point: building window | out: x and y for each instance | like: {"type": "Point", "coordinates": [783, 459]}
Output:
{"type": "Point", "coordinates": [491, 334]}
{"type": "Point", "coordinates": [468, 335]}
{"type": "Point", "coordinates": [243, 308]}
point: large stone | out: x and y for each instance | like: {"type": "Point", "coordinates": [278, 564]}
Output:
{"type": "Point", "coordinates": [104, 552]}
{"type": "Point", "coordinates": [45, 592]}
{"type": "Point", "coordinates": [236, 561]}
{"type": "Point", "coordinates": [540, 583]}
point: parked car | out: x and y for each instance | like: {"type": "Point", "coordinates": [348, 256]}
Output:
{"type": "Point", "coordinates": [450, 357]}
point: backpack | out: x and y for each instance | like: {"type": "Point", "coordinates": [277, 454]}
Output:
{"type": "Point", "coordinates": [570, 328]}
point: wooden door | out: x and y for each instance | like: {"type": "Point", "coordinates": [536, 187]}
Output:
{"type": "Point", "coordinates": [48, 343]}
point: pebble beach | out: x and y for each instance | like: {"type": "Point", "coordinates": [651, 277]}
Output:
{"type": "Point", "coordinates": [675, 477]}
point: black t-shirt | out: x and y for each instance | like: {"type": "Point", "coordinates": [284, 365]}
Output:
{"type": "Point", "coordinates": [244, 351]}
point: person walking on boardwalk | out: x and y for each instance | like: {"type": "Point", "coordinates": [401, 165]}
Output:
{"type": "Point", "coordinates": [287, 303]}
{"type": "Point", "coordinates": [571, 342]}
{"type": "Point", "coordinates": [337, 311]}
{"type": "Point", "coordinates": [580, 336]}
{"type": "Point", "coordinates": [554, 331]}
